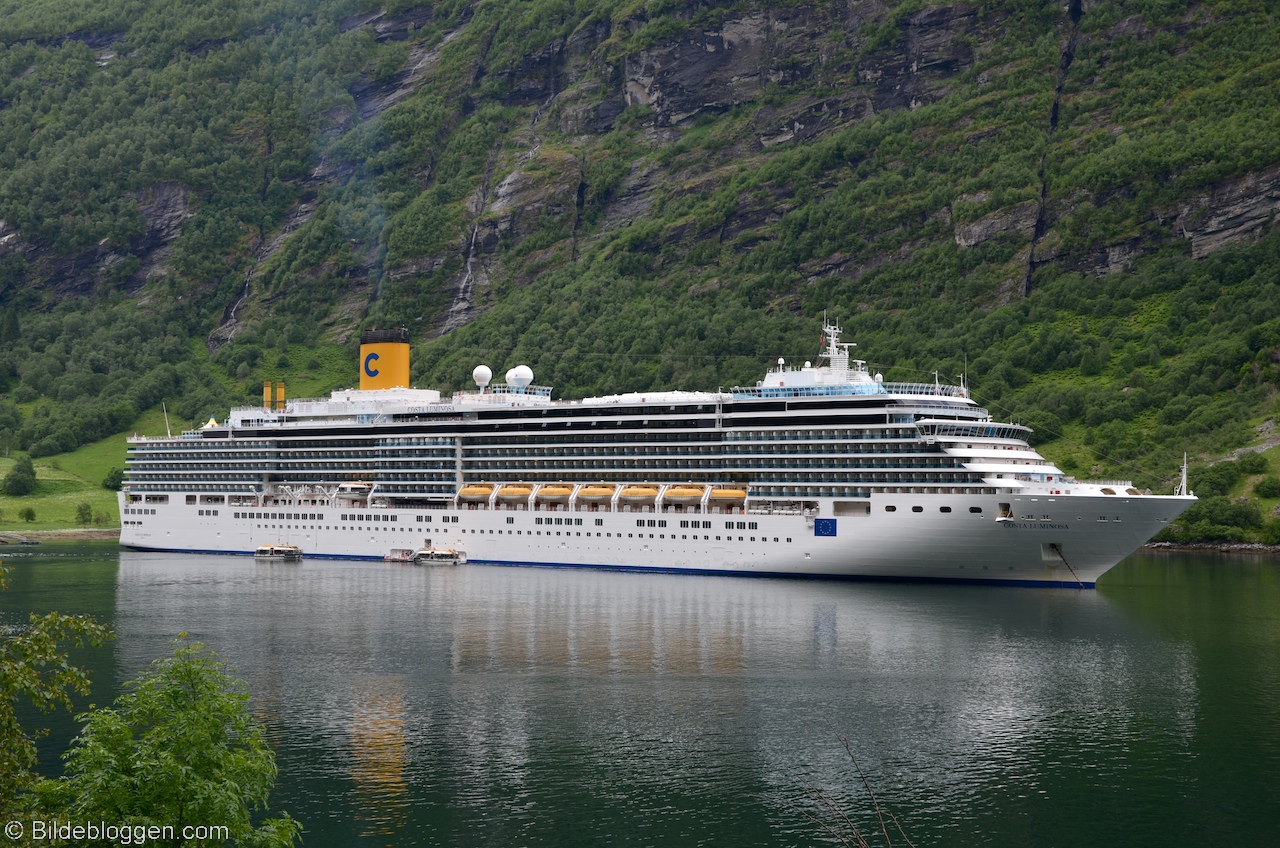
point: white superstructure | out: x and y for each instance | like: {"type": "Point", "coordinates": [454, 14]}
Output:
{"type": "Point", "coordinates": [817, 470]}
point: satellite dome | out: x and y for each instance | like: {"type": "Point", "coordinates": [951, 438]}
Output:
{"type": "Point", "coordinates": [520, 376]}
{"type": "Point", "coordinates": [482, 375]}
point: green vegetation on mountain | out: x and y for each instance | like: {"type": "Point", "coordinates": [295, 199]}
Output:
{"type": "Point", "coordinates": [1074, 206]}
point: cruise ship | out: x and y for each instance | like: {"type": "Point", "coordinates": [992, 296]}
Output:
{"type": "Point", "coordinates": [818, 470]}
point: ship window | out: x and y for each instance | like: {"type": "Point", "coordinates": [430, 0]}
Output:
{"type": "Point", "coordinates": [728, 525]}
{"type": "Point", "coordinates": [200, 512]}
{"type": "Point", "coordinates": [977, 510]}
{"type": "Point", "coordinates": [751, 525]}
{"type": "Point", "coordinates": [599, 522]}
{"type": "Point", "coordinates": [651, 523]}
{"type": "Point", "coordinates": [706, 525]}
{"type": "Point", "coordinates": [684, 524]}
{"type": "Point", "coordinates": [917, 509]}
{"type": "Point", "coordinates": [510, 520]}
{"type": "Point", "coordinates": [191, 499]}
{"type": "Point", "coordinates": [395, 518]}
{"type": "Point", "coordinates": [577, 522]}
{"type": "Point", "coordinates": [944, 509]}
{"type": "Point", "coordinates": [662, 523]}
{"type": "Point", "coordinates": [890, 509]}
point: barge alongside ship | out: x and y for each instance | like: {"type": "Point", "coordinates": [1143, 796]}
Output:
{"type": "Point", "coordinates": [815, 471]}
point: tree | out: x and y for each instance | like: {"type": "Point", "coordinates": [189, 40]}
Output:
{"type": "Point", "coordinates": [180, 748]}
{"type": "Point", "coordinates": [114, 479]}
{"type": "Point", "coordinates": [84, 514]}
{"type": "Point", "coordinates": [33, 664]}
{"type": "Point", "coordinates": [27, 514]}
{"type": "Point", "coordinates": [21, 479]}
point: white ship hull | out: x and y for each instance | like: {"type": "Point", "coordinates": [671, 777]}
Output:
{"type": "Point", "coordinates": [1071, 541]}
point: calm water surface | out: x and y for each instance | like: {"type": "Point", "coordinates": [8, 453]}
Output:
{"type": "Point", "coordinates": [506, 706]}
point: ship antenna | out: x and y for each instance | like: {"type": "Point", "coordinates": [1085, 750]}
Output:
{"type": "Point", "coordinates": [1182, 484]}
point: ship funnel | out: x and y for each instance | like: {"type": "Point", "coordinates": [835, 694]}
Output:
{"type": "Point", "coordinates": [384, 359]}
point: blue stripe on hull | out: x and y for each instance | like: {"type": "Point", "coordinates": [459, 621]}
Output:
{"type": "Point", "coordinates": [788, 575]}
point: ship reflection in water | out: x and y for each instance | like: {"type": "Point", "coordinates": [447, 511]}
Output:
{"type": "Point", "coordinates": [379, 754]}
{"type": "Point", "coordinates": [531, 706]}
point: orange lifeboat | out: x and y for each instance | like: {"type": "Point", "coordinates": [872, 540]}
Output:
{"type": "Point", "coordinates": [728, 495]}
{"type": "Point", "coordinates": [639, 494]}
{"type": "Point", "coordinates": [516, 492]}
{"type": "Point", "coordinates": [596, 493]}
{"type": "Point", "coordinates": [555, 493]}
{"type": "Point", "coordinates": [684, 494]}
{"type": "Point", "coordinates": [476, 492]}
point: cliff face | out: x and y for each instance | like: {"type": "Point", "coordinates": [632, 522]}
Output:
{"type": "Point", "coordinates": [497, 141]}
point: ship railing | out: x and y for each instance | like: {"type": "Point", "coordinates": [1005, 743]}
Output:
{"type": "Point", "coordinates": [846, 390]}
{"type": "Point", "coordinates": [934, 389]}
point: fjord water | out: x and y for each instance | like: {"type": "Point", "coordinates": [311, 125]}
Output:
{"type": "Point", "coordinates": [506, 706]}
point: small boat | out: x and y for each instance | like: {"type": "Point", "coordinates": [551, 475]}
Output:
{"type": "Point", "coordinates": [596, 493]}
{"type": "Point", "coordinates": [476, 492]}
{"type": "Point", "coordinates": [401, 555]}
{"type": "Point", "coordinates": [555, 493]}
{"type": "Point", "coordinates": [639, 494]}
{"type": "Point", "coordinates": [280, 553]}
{"type": "Point", "coordinates": [728, 495]}
{"type": "Point", "coordinates": [516, 492]}
{"type": "Point", "coordinates": [439, 556]}
{"type": "Point", "coordinates": [683, 494]}
{"type": "Point", "coordinates": [354, 489]}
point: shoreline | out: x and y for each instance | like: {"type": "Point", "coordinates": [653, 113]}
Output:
{"type": "Point", "coordinates": [83, 534]}
{"type": "Point", "coordinates": [1213, 547]}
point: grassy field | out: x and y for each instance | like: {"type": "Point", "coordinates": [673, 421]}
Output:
{"type": "Point", "coordinates": [65, 481]}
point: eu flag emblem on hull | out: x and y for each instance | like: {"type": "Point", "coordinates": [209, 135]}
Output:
{"type": "Point", "coordinates": [824, 527]}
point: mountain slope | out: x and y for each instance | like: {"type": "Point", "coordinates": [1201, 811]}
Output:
{"type": "Point", "coordinates": [1073, 204]}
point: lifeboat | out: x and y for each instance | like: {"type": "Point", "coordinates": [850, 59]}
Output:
{"type": "Point", "coordinates": [683, 494]}
{"type": "Point", "coordinates": [596, 494]}
{"type": "Point", "coordinates": [516, 492]}
{"type": "Point", "coordinates": [555, 493]}
{"type": "Point", "coordinates": [476, 492]}
{"type": "Point", "coordinates": [355, 489]}
{"type": "Point", "coordinates": [728, 495]}
{"type": "Point", "coordinates": [639, 494]}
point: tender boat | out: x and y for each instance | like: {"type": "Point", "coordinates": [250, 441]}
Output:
{"type": "Point", "coordinates": [283, 553]}
{"type": "Point", "coordinates": [439, 556]}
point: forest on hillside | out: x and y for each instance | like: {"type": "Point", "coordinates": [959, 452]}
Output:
{"type": "Point", "coordinates": [1071, 206]}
